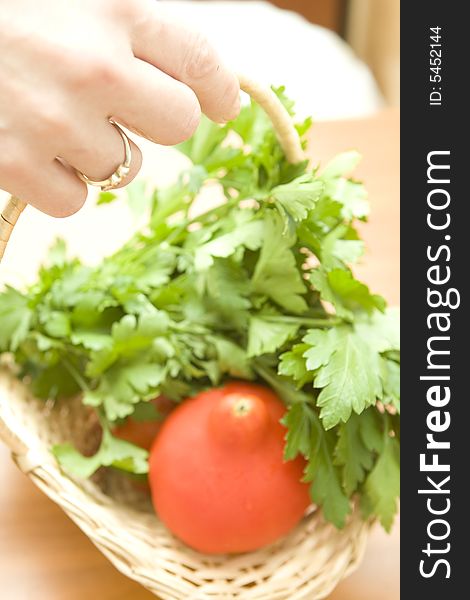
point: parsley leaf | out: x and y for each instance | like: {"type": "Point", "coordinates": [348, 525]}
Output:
{"type": "Point", "coordinates": [346, 293]}
{"type": "Point", "coordinates": [265, 335]}
{"type": "Point", "coordinates": [350, 380]}
{"type": "Point", "coordinates": [293, 364]}
{"type": "Point", "coordinates": [276, 274]}
{"type": "Point", "coordinates": [249, 235]}
{"type": "Point", "coordinates": [306, 436]}
{"type": "Point", "coordinates": [112, 452]}
{"type": "Point", "coordinates": [257, 287]}
{"type": "Point", "coordinates": [342, 164]}
{"type": "Point", "coordinates": [352, 453]}
{"type": "Point", "coordinates": [299, 196]}
{"type": "Point", "coordinates": [15, 318]}
{"type": "Point", "coordinates": [124, 385]}
{"type": "Point", "coordinates": [382, 486]}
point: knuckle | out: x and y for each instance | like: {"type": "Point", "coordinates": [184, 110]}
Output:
{"type": "Point", "coordinates": [201, 58]}
{"type": "Point", "coordinates": [11, 165]}
{"type": "Point", "coordinates": [107, 71]}
{"type": "Point", "coordinates": [49, 119]}
{"type": "Point", "coordinates": [127, 10]}
{"type": "Point", "coordinates": [92, 69]}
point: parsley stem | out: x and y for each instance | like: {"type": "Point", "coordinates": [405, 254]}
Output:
{"type": "Point", "coordinates": [320, 322]}
{"type": "Point", "coordinates": [214, 211]}
{"type": "Point", "coordinates": [173, 236]}
{"type": "Point", "coordinates": [288, 393]}
{"type": "Point", "coordinates": [82, 384]}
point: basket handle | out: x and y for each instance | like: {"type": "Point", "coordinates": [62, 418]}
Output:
{"type": "Point", "coordinates": [264, 96]}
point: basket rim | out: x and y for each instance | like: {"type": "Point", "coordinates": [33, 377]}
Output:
{"type": "Point", "coordinates": [176, 571]}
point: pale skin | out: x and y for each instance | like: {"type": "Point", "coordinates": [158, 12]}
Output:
{"type": "Point", "coordinates": [67, 67]}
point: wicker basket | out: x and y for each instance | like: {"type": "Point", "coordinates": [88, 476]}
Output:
{"type": "Point", "coordinates": [306, 564]}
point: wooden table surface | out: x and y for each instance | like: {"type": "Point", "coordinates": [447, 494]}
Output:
{"type": "Point", "coordinates": [44, 556]}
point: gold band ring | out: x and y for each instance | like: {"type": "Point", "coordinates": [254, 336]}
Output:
{"type": "Point", "coordinates": [120, 173]}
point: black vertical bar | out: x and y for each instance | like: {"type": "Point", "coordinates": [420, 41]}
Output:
{"type": "Point", "coordinates": [435, 119]}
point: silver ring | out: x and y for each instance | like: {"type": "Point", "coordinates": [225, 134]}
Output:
{"type": "Point", "coordinates": [120, 173]}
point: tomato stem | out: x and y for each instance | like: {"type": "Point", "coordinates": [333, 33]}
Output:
{"type": "Point", "coordinates": [242, 407]}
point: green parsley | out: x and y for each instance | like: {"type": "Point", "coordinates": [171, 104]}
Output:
{"type": "Point", "coordinates": [259, 288]}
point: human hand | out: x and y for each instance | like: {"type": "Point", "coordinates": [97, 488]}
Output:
{"type": "Point", "coordinates": [66, 68]}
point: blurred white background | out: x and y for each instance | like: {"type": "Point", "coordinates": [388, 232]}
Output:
{"type": "Point", "coordinates": [338, 58]}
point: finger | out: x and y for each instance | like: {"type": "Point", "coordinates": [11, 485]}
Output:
{"type": "Point", "coordinates": [187, 56]}
{"type": "Point", "coordinates": [49, 186]}
{"type": "Point", "coordinates": [97, 150]}
{"type": "Point", "coordinates": [155, 105]}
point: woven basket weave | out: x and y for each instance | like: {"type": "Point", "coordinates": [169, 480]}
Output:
{"type": "Point", "coordinates": [306, 564]}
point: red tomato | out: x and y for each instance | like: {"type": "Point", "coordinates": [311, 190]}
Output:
{"type": "Point", "coordinates": [217, 474]}
{"type": "Point", "coordinates": [142, 433]}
